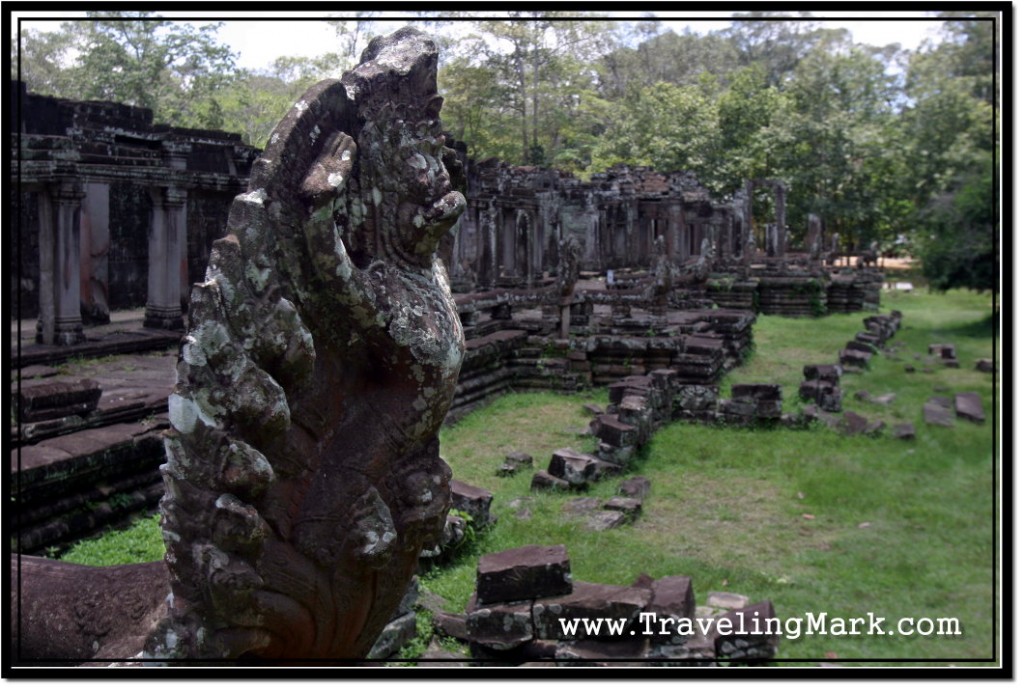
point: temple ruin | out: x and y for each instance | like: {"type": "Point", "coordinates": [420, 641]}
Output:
{"type": "Point", "coordinates": [349, 297]}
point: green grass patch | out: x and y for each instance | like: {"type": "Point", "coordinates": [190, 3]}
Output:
{"type": "Point", "coordinates": [140, 542]}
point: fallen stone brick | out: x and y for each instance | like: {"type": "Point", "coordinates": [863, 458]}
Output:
{"type": "Point", "coordinates": [543, 480]}
{"type": "Point", "coordinates": [396, 634]}
{"type": "Point", "coordinates": [500, 626]}
{"type": "Point", "coordinates": [606, 520]}
{"type": "Point", "coordinates": [451, 625]}
{"type": "Point", "coordinates": [862, 347]}
{"type": "Point", "coordinates": [612, 431]}
{"type": "Point", "coordinates": [937, 413]}
{"type": "Point", "coordinates": [523, 573]}
{"type": "Point", "coordinates": [826, 394]}
{"type": "Point", "coordinates": [854, 358]}
{"type": "Point", "coordinates": [969, 407]}
{"type": "Point", "coordinates": [722, 600]}
{"type": "Point", "coordinates": [636, 487]}
{"type": "Point", "coordinates": [743, 644]}
{"type": "Point", "coordinates": [874, 428]}
{"type": "Point", "coordinates": [852, 423]}
{"type": "Point", "coordinates": [905, 431]}
{"type": "Point", "coordinates": [591, 601]}
{"type": "Point", "coordinates": [672, 599]}
{"type": "Point", "coordinates": [629, 507]}
{"type": "Point", "coordinates": [578, 469]}
{"type": "Point", "coordinates": [475, 501]}
{"type": "Point", "coordinates": [829, 373]}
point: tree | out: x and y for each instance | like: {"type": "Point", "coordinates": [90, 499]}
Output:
{"type": "Point", "coordinates": [42, 62]}
{"type": "Point", "coordinates": [750, 145]}
{"type": "Point", "coordinates": [174, 68]}
{"type": "Point", "coordinates": [664, 126]}
{"type": "Point", "coordinates": [536, 63]}
{"type": "Point", "coordinates": [841, 131]}
{"type": "Point", "coordinates": [779, 42]}
{"type": "Point", "coordinates": [681, 59]}
{"type": "Point", "coordinates": [951, 127]}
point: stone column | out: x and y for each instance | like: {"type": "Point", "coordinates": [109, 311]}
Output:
{"type": "Point", "coordinates": [95, 234]}
{"type": "Point", "coordinates": [814, 238]}
{"type": "Point", "coordinates": [166, 237]}
{"type": "Point", "coordinates": [675, 232]}
{"type": "Point", "coordinates": [771, 239]}
{"type": "Point", "coordinates": [60, 317]}
{"type": "Point", "coordinates": [780, 217]}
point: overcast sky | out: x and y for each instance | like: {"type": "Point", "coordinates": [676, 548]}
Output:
{"type": "Point", "coordinates": [262, 37]}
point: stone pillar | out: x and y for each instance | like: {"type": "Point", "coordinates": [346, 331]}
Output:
{"type": "Point", "coordinates": [60, 317]}
{"type": "Point", "coordinates": [780, 218]}
{"type": "Point", "coordinates": [814, 237]}
{"type": "Point", "coordinates": [95, 233]}
{"type": "Point", "coordinates": [166, 236]}
{"type": "Point", "coordinates": [175, 156]}
{"type": "Point", "coordinates": [771, 239]}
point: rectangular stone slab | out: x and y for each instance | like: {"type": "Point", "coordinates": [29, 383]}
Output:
{"type": "Point", "coordinates": [523, 573]}
{"type": "Point", "coordinates": [968, 406]}
{"type": "Point", "coordinates": [855, 358]}
{"type": "Point", "coordinates": [755, 642]}
{"type": "Point", "coordinates": [829, 373]}
{"type": "Point", "coordinates": [937, 414]}
{"type": "Point", "coordinates": [58, 399]}
{"type": "Point", "coordinates": [500, 626]}
{"type": "Point", "coordinates": [611, 430]}
{"type": "Point", "coordinates": [592, 601]}
{"type": "Point", "coordinates": [473, 500]}
{"type": "Point", "coordinates": [757, 392]}
{"type": "Point", "coordinates": [543, 480]}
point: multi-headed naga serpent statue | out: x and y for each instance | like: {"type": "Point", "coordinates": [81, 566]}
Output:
{"type": "Point", "coordinates": [302, 477]}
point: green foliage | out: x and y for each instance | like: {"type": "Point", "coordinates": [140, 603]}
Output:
{"type": "Point", "coordinates": [664, 126]}
{"type": "Point", "coordinates": [174, 68]}
{"type": "Point", "coordinates": [960, 251]}
{"type": "Point", "coordinates": [140, 542]}
{"type": "Point", "coordinates": [417, 647]}
{"type": "Point", "coordinates": [952, 133]}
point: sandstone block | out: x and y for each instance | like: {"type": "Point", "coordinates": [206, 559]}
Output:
{"type": "Point", "coordinates": [968, 406]}
{"type": "Point", "coordinates": [473, 500]}
{"type": "Point", "coordinates": [523, 573]}
{"type": "Point", "coordinates": [589, 600]}
{"type": "Point", "coordinates": [543, 480]}
{"type": "Point", "coordinates": [636, 487]}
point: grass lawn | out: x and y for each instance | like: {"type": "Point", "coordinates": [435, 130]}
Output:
{"type": "Point", "coordinates": [810, 519]}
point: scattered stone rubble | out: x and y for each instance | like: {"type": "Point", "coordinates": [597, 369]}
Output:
{"type": "Point", "coordinates": [525, 594]}
{"type": "Point", "coordinates": [821, 387]}
{"type": "Point", "coordinates": [515, 462]}
{"type": "Point", "coordinates": [511, 353]}
{"type": "Point", "coordinates": [468, 502]}
{"type": "Point", "coordinates": [620, 510]}
{"type": "Point", "coordinates": [946, 353]}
